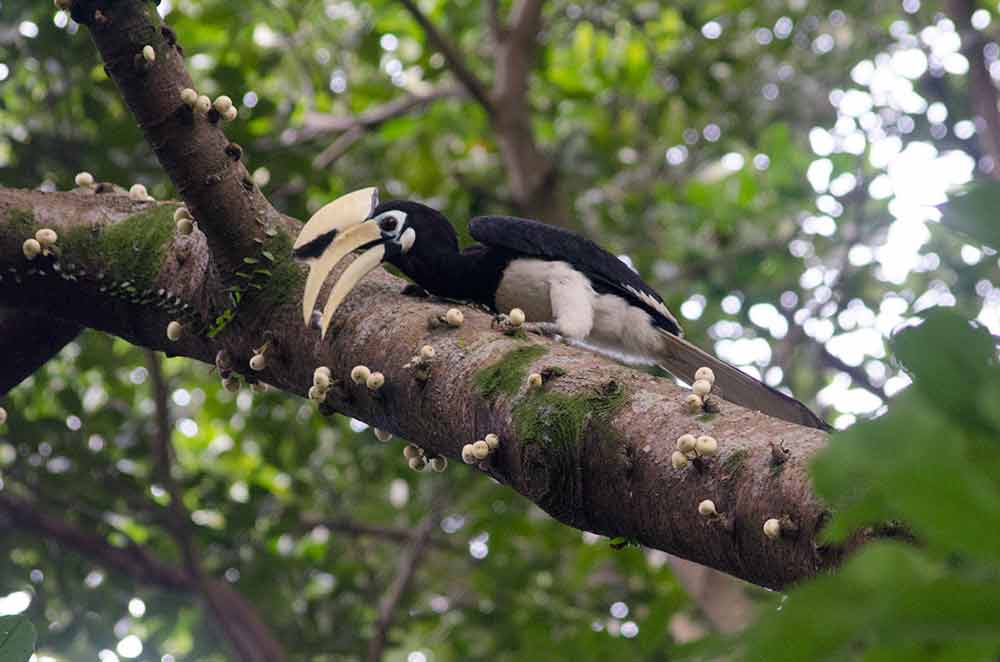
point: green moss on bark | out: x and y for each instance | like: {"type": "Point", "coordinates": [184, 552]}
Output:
{"type": "Point", "coordinates": [130, 250]}
{"type": "Point", "coordinates": [22, 221]}
{"type": "Point", "coordinates": [733, 464]}
{"type": "Point", "coordinates": [506, 376]}
{"type": "Point", "coordinates": [279, 277]}
{"type": "Point", "coordinates": [552, 427]}
{"type": "Point", "coordinates": [560, 420]}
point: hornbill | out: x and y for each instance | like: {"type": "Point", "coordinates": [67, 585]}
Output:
{"type": "Point", "coordinates": [566, 285]}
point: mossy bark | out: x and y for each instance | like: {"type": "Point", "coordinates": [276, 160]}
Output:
{"type": "Point", "coordinates": [592, 446]}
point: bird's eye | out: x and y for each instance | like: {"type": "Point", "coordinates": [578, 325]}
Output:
{"type": "Point", "coordinates": [388, 224]}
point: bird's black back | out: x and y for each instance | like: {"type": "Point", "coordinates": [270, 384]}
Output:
{"type": "Point", "coordinates": [607, 273]}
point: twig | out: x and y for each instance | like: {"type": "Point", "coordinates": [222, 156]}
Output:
{"type": "Point", "coordinates": [492, 10]}
{"type": "Point", "coordinates": [392, 534]}
{"type": "Point", "coordinates": [316, 124]}
{"type": "Point", "coordinates": [409, 560]}
{"type": "Point", "coordinates": [132, 560]}
{"type": "Point", "coordinates": [178, 516]}
{"type": "Point", "coordinates": [465, 76]}
{"type": "Point", "coordinates": [982, 91]}
{"type": "Point", "coordinates": [239, 620]}
{"type": "Point", "coordinates": [339, 147]}
{"type": "Point", "coordinates": [856, 373]}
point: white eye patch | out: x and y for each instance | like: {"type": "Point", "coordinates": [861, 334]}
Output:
{"type": "Point", "coordinates": [391, 222]}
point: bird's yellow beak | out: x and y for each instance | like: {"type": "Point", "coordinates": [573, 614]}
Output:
{"type": "Point", "coordinates": [333, 232]}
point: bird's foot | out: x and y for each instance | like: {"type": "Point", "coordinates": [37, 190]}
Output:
{"type": "Point", "coordinates": [414, 290]}
{"type": "Point", "coordinates": [504, 325]}
{"type": "Point", "coordinates": [501, 322]}
{"type": "Point", "coordinates": [548, 329]}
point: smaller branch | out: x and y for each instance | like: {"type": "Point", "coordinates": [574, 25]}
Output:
{"type": "Point", "coordinates": [388, 533]}
{"type": "Point", "coordinates": [319, 123]}
{"type": "Point", "coordinates": [982, 91]}
{"type": "Point", "coordinates": [339, 147]}
{"type": "Point", "coordinates": [243, 627]}
{"type": "Point", "coordinates": [131, 560]}
{"type": "Point", "coordinates": [179, 519]}
{"type": "Point", "coordinates": [856, 373]}
{"type": "Point", "coordinates": [468, 79]}
{"type": "Point", "coordinates": [190, 145]}
{"type": "Point", "coordinates": [492, 10]}
{"type": "Point", "coordinates": [525, 22]}
{"type": "Point", "coordinates": [721, 598]}
{"type": "Point", "coordinates": [408, 563]}
{"type": "Point", "coordinates": [27, 342]}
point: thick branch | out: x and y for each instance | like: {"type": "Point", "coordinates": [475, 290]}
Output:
{"type": "Point", "coordinates": [27, 342]}
{"type": "Point", "coordinates": [205, 167]}
{"type": "Point", "coordinates": [611, 475]}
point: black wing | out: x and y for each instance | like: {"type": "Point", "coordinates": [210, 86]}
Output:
{"type": "Point", "coordinates": [607, 273]}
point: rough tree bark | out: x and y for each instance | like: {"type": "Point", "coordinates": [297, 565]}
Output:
{"type": "Point", "coordinates": [606, 470]}
{"type": "Point", "coordinates": [27, 342]}
{"type": "Point", "coordinates": [592, 447]}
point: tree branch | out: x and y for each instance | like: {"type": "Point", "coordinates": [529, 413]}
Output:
{"type": "Point", "coordinates": [531, 175]}
{"type": "Point", "coordinates": [451, 55]}
{"type": "Point", "coordinates": [389, 533]}
{"type": "Point", "coordinates": [205, 167]}
{"type": "Point", "coordinates": [722, 600]}
{"type": "Point", "coordinates": [27, 342]}
{"type": "Point", "coordinates": [604, 466]}
{"type": "Point", "coordinates": [609, 475]}
{"type": "Point", "coordinates": [315, 124]}
{"type": "Point", "coordinates": [131, 560]}
{"type": "Point", "coordinates": [405, 570]}
{"type": "Point", "coordinates": [982, 91]}
{"type": "Point", "coordinates": [339, 147]}
{"type": "Point", "coordinates": [246, 632]}
{"type": "Point", "coordinates": [856, 373]}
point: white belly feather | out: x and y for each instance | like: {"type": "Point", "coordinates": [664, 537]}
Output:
{"type": "Point", "coordinates": [556, 292]}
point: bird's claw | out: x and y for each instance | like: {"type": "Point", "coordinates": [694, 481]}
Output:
{"type": "Point", "coordinates": [502, 323]}
{"type": "Point", "coordinates": [547, 329]}
{"type": "Point", "coordinates": [414, 290]}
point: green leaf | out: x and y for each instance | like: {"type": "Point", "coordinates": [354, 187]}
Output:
{"type": "Point", "coordinates": [902, 467]}
{"type": "Point", "coordinates": [17, 639]}
{"type": "Point", "coordinates": [269, 255]}
{"type": "Point", "coordinates": [889, 597]}
{"type": "Point", "coordinates": [973, 212]}
{"type": "Point", "coordinates": [951, 361]}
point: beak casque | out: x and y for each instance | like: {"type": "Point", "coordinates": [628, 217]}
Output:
{"type": "Point", "coordinates": [333, 232]}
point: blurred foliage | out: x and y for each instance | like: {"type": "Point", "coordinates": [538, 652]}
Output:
{"type": "Point", "coordinates": [926, 475]}
{"type": "Point", "coordinates": [683, 136]}
{"type": "Point", "coordinates": [932, 462]}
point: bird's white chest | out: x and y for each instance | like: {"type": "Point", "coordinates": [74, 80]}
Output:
{"type": "Point", "coordinates": [530, 284]}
